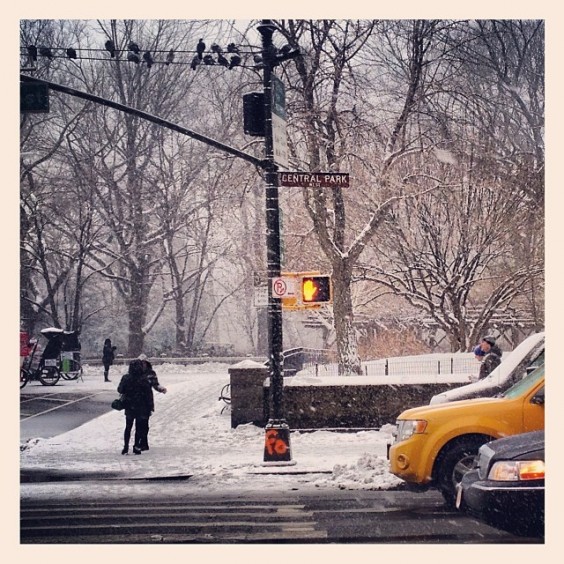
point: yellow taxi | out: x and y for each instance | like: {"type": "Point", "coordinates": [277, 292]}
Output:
{"type": "Point", "coordinates": [435, 445]}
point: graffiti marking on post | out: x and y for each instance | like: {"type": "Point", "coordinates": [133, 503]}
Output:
{"type": "Point", "coordinates": [274, 444]}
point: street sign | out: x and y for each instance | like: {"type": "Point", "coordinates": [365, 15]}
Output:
{"type": "Point", "coordinates": [261, 296]}
{"type": "Point", "coordinates": [283, 287]}
{"type": "Point", "coordinates": [279, 141]}
{"type": "Point", "coordinates": [314, 179]}
{"type": "Point", "coordinates": [278, 98]}
{"type": "Point", "coordinates": [278, 114]}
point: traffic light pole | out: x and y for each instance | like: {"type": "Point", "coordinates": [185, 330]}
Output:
{"type": "Point", "coordinates": [277, 441]}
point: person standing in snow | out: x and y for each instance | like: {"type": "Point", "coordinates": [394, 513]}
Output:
{"type": "Point", "coordinates": [492, 356]}
{"type": "Point", "coordinates": [154, 382]}
{"type": "Point", "coordinates": [139, 405]}
{"type": "Point", "coordinates": [108, 355]}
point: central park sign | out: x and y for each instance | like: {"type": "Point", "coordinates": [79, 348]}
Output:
{"type": "Point", "coordinates": [314, 179]}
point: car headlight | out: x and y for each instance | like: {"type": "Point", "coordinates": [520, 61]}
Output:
{"type": "Point", "coordinates": [409, 427]}
{"type": "Point", "coordinates": [516, 470]}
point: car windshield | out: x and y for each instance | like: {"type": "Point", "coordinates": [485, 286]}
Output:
{"type": "Point", "coordinates": [527, 382]}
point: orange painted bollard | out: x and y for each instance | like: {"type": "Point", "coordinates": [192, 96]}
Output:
{"type": "Point", "coordinates": [277, 444]}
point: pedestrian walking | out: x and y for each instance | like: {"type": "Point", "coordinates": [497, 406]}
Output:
{"type": "Point", "coordinates": [138, 401]}
{"type": "Point", "coordinates": [155, 385]}
{"type": "Point", "coordinates": [492, 356]}
{"type": "Point", "coordinates": [108, 356]}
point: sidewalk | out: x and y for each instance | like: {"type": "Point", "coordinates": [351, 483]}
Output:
{"type": "Point", "coordinates": [191, 440]}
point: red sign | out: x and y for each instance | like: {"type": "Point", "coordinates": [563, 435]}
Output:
{"type": "Point", "coordinates": [25, 348]}
{"type": "Point", "coordinates": [314, 179]}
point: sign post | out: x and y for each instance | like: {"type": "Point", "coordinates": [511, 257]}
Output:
{"type": "Point", "coordinates": [277, 439]}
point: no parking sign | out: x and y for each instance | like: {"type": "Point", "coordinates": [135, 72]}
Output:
{"type": "Point", "coordinates": [283, 287]}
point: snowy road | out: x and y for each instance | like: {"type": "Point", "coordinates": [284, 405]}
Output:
{"type": "Point", "coordinates": [202, 481]}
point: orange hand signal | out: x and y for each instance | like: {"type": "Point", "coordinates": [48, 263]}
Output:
{"type": "Point", "coordinates": [309, 290]}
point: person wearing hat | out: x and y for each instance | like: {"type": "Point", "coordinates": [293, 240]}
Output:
{"type": "Point", "coordinates": [151, 375]}
{"type": "Point", "coordinates": [492, 356]}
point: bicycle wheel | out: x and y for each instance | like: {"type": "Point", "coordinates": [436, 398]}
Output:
{"type": "Point", "coordinates": [24, 376]}
{"type": "Point", "coordinates": [72, 372]}
{"type": "Point", "coordinates": [49, 375]}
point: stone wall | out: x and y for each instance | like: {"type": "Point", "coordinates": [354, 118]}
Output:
{"type": "Point", "coordinates": [356, 406]}
{"type": "Point", "coordinates": [318, 407]}
{"type": "Point", "coordinates": [248, 393]}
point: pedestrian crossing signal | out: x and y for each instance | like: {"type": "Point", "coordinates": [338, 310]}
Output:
{"type": "Point", "coordinates": [316, 289]}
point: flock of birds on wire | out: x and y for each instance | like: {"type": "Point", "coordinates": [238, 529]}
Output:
{"type": "Point", "coordinates": [229, 59]}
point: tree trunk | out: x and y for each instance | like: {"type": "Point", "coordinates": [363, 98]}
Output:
{"type": "Point", "coordinates": [347, 348]}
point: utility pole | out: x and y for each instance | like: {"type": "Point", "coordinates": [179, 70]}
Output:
{"type": "Point", "coordinates": [277, 439]}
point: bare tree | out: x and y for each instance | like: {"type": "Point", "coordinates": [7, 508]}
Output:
{"type": "Point", "coordinates": [441, 254]}
{"type": "Point", "coordinates": [51, 274]}
{"type": "Point", "coordinates": [480, 243]}
{"type": "Point", "coordinates": [329, 92]}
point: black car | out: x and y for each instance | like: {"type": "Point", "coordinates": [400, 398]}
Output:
{"type": "Point", "coordinates": [506, 489]}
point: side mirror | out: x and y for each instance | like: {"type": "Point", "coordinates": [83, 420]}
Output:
{"type": "Point", "coordinates": [538, 398]}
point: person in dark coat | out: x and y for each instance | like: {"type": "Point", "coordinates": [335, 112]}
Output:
{"type": "Point", "coordinates": [492, 356]}
{"type": "Point", "coordinates": [139, 405]}
{"type": "Point", "coordinates": [108, 356]}
{"type": "Point", "coordinates": [155, 385]}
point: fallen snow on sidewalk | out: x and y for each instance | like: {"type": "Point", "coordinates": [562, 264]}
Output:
{"type": "Point", "coordinates": [190, 436]}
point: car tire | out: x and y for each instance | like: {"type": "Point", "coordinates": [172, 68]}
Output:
{"type": "Point", "coordinates": [456, 458]}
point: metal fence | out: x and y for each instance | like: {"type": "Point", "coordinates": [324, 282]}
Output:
{"type": "Point", "coordinates": [324, 363]}
{"type": "Point", "coordinates": [463, 363]}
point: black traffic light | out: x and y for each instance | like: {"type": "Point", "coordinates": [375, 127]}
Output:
{"type": "Point", "coordinates": [253, 114]}
{"type": "Point", "coordinates": [316, 289]}
{"type": "Point", "coordinates": [34, 97]}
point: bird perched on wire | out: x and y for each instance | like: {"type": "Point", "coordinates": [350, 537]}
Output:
{"type": "Point", "coordinates": [195, 62]}
{"type": "Point", "coordinates": [46, 52]}
{"type": "Point", "coordinates": [133, 58]}
{"type": "Point", "coordinates": [134, 47]}
{"type": "Point", "coordinates": [222, 60]}
{"type": "Point", "coordinates": [216, 48]}
{"type": "Point", "coordinates": [209, 60]}
{"type": "Point", "coordinates": [235, 61]}
{"type": "Point", "coordinates": [110, 47]}
{"type": "Point", "coordinates": [285, 49]}
{"type": "Point", "coordinates": [71, 53]}
{"type": "Point", "coordinates": [200, 48]}
{"type": "Point", "coordinates": [232, 48]}
{"type": "Point", "coordinates": [148, 59]}
{"type": "Point", "coordinates": [32, 52]}
{"type": "Point", "coordinates": [170, 57]}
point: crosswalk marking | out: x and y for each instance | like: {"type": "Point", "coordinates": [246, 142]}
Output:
{"type": "Point", "coordinates": [216, 522]}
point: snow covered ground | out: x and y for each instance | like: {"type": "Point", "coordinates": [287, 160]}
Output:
{"type": "Point", "coordinates": [190, 436]}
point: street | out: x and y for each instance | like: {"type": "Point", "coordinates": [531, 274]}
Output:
{"type": "Point", "coordinates": [119, 502]}
{"type": "Point", "coordinates": [47, 412]}
{"type": "Point", "coordinates": [255, 517]}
